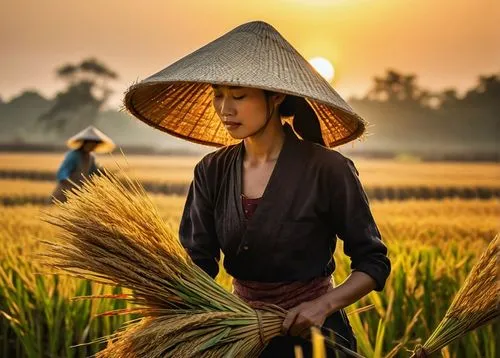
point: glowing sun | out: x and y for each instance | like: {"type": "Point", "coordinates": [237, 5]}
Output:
{"type": "Point", "coordinates": [324, 67]}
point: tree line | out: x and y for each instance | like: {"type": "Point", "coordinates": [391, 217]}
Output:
{"type": "Point", "coordinates": [403, 111]}
{"type": "Point", "coordinates": [404, 116]}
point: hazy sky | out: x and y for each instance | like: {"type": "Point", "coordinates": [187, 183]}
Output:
{"type": "Point", "coordinates": [445, 42]}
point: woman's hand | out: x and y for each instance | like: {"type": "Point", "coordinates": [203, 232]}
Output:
{"type": "Point", "coordinates": [301, 318]}
{"type": "Point", "coordinates": [314, 313]}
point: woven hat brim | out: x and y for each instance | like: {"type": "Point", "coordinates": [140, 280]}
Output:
{"type": "Point", "coordinates": [105, 144]}
{"type": "Point", "coordinates": [102, 147]}
{"type": "Point", "coordinates": [185, 110]}
{"type": "Point", "coordinates": [178, 99]}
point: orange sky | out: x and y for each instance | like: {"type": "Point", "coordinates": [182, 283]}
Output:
{"type": "Point", "coordinates": [446, 42]}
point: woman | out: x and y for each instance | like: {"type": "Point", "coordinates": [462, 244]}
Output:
{"type": "Point", "coordinates": [79, 163]}
{"type": "Point", "coordinates": [272, 202]}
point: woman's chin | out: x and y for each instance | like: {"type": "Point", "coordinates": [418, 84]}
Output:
{"type": "Point", "coordinates": [237, 133]}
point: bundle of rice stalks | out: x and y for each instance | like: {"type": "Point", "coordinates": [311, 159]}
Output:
{"type": "Point", "coordinates": [111, 233]}
{"type": "Point", "coordinates": [476, 303]}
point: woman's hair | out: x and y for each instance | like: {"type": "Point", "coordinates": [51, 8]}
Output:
{"type": "Point", "coordinates": [305, 121]}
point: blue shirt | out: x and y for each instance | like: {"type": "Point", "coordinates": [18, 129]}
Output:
{"type": "Point", "coordinates": [70, 164]}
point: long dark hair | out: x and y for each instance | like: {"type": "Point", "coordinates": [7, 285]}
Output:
{"type": "Point", "coordinates": [305, 121]}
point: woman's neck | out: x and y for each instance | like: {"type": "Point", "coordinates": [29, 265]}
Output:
{"type": "Point", "coordinates": [266, 145]}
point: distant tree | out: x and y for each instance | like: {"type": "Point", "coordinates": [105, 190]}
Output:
{"type": "Point", "coordinates": [404, 115]}
{"type": "Point", "coordinates": [20, 115]}
{"type": "Point", "coordinates": [474, 117]}
{"type": "Point", "coordinates": [29, 99]}
{"type": "Point", "coordinates": [67, 71]}
{"type": "Point", "coordinates": [85, 95]}
{"type": "Point", "coordinates": [448, 98]}
{"type": "Point", "coordinates": [487, 90]}
{"type": "Point", "coordinates": [396, 88]}
{"type": "Point", "coordinates": [489, 83]}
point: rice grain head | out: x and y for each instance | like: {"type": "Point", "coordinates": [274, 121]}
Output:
{"type": "Point", "coordinates": [111, 232]}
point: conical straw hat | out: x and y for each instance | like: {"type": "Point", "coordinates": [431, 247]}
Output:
{"type": "Point", "coordinates": [105, 144]}
{"type": "Point", "coordinates": [178, 99]}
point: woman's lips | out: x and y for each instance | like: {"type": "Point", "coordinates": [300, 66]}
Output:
{"type": "Point", "coordinates": [231, 124]}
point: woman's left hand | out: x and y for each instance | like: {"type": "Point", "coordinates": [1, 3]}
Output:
{"type": "Point", "coordinates": [314, 313]}
{"type": "Point", "coordinates": [301, 318]}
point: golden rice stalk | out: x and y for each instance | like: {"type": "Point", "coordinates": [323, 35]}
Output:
{"type": "Point", "coordinates": [318, 344]}
{"type": "Point", "coordinates": [111, 232]}
{"type": "Point", "coordinates": [476, 303]}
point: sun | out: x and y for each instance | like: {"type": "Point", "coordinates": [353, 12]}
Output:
{"type": "Point", "coordinates": [324, 67]}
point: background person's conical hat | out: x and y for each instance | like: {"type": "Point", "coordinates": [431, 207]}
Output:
{"type": "Point", "coordinates": [178, 99]}
{"type": "Point", "coordinates": [91, 133]}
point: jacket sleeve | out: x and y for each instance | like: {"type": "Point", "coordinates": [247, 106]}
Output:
{"type": "Point", "coordinates": [356, 227]}
{"type": "Point", "coordinates": [68, 165]}
{"type": "Point", "coordinates": [197, 228]}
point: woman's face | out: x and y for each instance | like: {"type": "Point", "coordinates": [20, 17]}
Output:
{"type": "Point", "coordinates": [244, 111]}
{"type": "Point", "coordinates": [89, 146]}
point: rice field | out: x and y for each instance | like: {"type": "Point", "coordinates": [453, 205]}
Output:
{"type": "Point", "coordinates": [24, 188]}
{"type": "Point", "coordinates": [373, 172]}
{"type": "Point", "coordinates": [432, 244]}
{"type": "Point", "coordinates": [431, 257]}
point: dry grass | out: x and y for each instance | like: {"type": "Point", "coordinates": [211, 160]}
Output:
{"type": "Point", "coordinates": [373, 172]}
{"type": "Point", "coordinates": [14, 187]}
{"type": "Point", "coordinates": [389, 173]}
{"type": "Point", "coordinates": [113, 234]}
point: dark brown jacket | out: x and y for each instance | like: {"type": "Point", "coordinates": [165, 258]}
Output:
{"type": "Point", "coordinates": [313, 196]}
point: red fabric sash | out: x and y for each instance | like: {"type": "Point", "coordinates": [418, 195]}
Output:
{"type": "Point", "coordinates": [283, 294]}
